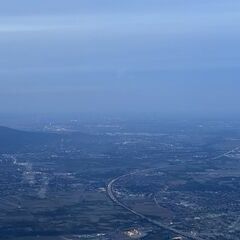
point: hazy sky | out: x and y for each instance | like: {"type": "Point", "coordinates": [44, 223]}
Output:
{"type": "Point", "coordinates": [178, 57]}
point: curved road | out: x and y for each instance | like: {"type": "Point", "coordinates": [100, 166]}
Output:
{"type": "Point", "coordinates": [111, 194]}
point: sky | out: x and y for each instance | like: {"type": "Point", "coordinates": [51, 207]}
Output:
{"type": "Point", "coordinates": [165, 57]}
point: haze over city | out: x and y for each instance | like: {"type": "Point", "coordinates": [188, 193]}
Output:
{"type": "Point", "coordinates": [171, 58]}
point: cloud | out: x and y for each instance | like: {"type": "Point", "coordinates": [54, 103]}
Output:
{"type": "Point", "coordinates": [159, 23]}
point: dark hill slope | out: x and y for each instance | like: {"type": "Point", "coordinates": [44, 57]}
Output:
{"type": "Point", "coordinates": [12, 140]}
{"type": "Point", "coordinates": [17, 141]}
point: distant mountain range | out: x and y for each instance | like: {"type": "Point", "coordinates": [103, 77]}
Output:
{"type": "Point", "coordinates": [12, 140]}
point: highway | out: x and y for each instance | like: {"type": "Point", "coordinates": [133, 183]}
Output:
{"type": "Point", "coordinates": [112, 196]}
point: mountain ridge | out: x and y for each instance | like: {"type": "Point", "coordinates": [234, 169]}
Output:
{"type": "Point", "coordinates": [14, 140]}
